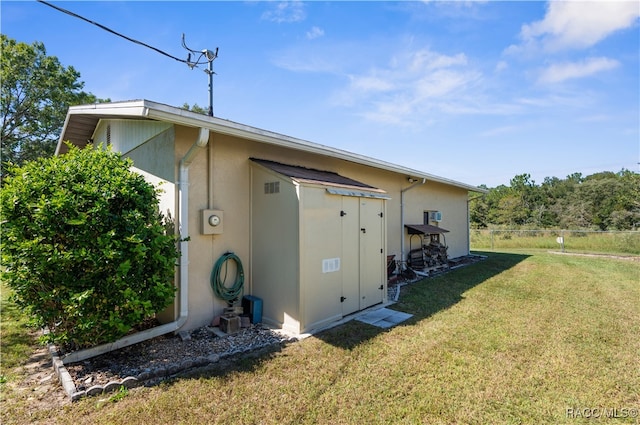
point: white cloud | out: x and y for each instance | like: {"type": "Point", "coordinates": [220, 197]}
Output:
{"type": "Point", "coordinates": [422, 73]}
{"type": "Point", "coordinates": [315, 32]}
{"type": "Point", "coordinates": [560, 72]}
{"type": "Point", "coordinates": [501, 66]}
{"type": "Point", "coordinates": [578, 25]}
{"type": "Point", "coordinates": [426, 59]}
{"type": "Point", "coordinates": [440, 83]}
{"type": "Point", "coordinates": [577, 99]}
{"type": "Point", "coordinates": [286, 11]}
{"type": "Point", "coordinates": [393, 111]}
{"type": "Point", "coordinates": [413, 83]}
{"type": "Point", "coordinates": [370, 84]}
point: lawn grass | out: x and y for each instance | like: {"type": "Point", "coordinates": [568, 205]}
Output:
{"type": "Point", "coordinates": [615, 243]}
{"type": "Point", "coordinates": [518, 338]}
{"type": "Point", "coordinates": [16, 337]}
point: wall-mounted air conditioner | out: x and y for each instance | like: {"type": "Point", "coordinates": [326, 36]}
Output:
{"type": "Point", "coordinates": [435, 216]}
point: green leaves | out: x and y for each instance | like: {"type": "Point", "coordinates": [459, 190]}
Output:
{"type": "Point", "coordinates": [84, 246]}
{"type": "Point", "coordinates": [602, 201]}
{"type": "Point", "coordinates": [36, 92]}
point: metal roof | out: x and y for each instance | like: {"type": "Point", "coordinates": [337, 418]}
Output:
{"type": "Point", "coordinates": [310, 175]}
{"type": "Point", "coordinates": [82, 120]}
{"type": "Point", "coordinates": [334, 182]}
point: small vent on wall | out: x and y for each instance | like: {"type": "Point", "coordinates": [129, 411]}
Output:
{"type": "Point", "coordinates": [108, 134]}
{"type": "Point", "coordinates": [330, 265]}
{"type": "Point", "coordinates": [271, 187]}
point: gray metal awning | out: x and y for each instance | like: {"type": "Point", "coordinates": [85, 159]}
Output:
{"type": "Point", "coordinates": [424, 229]}
{"type": "Point", "coordinates": [357, 193]}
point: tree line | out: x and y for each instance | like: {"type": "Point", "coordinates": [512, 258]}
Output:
{"type": "Point", "coordinates": [601, 201]}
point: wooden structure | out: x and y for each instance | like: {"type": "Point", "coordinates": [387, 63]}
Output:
{"type": "Point", "coordinates": [432, 251]}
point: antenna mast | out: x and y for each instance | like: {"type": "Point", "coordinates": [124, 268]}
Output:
{"type": "Point", "coordinates": [208, 56]}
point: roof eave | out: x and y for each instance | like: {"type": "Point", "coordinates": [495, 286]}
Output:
{"type": "Point", "coordinates": [90, 115]}
{"type": "Point", "coordinates": [151, 110]}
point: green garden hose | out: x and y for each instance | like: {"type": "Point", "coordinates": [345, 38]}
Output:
{"type": "Point", "coordinates": [228, 294]}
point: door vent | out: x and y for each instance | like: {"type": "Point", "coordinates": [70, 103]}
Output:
{"type": "Point", "coordinates": [330, 265]}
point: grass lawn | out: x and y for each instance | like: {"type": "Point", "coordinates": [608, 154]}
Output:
{"type": "Point", "coordinates": [521, 337]}
{"type": "Point", "coordinates": [16, 338]}
{"type": "Point", "coordinates": [615, 243]}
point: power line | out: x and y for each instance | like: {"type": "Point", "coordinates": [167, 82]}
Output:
{"type": "Point", "coordinates": [207, 55]}
{"type": "Point", "coordinates": [75, 15]}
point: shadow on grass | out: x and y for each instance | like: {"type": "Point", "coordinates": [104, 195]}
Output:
{"type": "Point", "coordinates": [421, 299]}
{"type": "Point", "coordinates": [426, 297]}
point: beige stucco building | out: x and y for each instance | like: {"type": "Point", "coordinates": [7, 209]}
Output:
{"type": "Point", "coordinates": [312, 225]}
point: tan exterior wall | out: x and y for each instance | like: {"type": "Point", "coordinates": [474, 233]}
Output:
{"type": "Point", "coordinates": [204, 250]}
{"type": "Point", "coordinates": [151, 148]}
{"type": "Point", "coordinates": [452, 202]}
{"type": "Point", "coordinates": [275, 236]}
{"type": "Point", "coordinates": [220, 178]}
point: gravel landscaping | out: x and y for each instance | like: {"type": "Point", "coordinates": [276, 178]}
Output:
{"type": "Point", "coordinates": [151, 361]}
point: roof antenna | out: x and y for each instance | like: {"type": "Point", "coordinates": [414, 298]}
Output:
{"type": "Point", "coordinates": [206, 56]}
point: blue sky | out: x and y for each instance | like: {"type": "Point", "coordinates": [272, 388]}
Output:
{"type": "Point", "coordinates": [473, 91]}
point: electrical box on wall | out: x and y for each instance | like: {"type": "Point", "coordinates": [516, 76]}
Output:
{"type": "Point", "coordinates": [211, 222]}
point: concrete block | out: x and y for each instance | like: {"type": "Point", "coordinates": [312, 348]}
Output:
{"type": "Point", "coordinates": [230, 325]}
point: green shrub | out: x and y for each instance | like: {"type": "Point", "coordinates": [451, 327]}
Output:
{"type": "Point", "coordinates": [84, 246]}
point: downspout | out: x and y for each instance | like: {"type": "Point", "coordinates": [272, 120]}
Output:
{"type": "Point", "coordinates": [418, 183]}
{"type": "Point", "coordinates": [183, 215]}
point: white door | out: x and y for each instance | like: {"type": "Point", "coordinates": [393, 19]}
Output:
{"type": "Point", "coordinates": [371, 252]}
{"type": "Point", "coordinates": [362, 253]}
{"type": "Point", "coordinates": [350, 255]}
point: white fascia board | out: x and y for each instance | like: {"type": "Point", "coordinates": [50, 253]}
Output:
{"type": "Point", "coordinates": [62, 133]}
{"type": "Point", "coordinates": [135, 108]}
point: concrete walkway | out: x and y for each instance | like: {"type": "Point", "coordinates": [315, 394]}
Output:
{"type": "Point", "coordinates": [383, 317]}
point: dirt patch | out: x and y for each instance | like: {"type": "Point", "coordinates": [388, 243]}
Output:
{"type": "Point", "coordinates": [37, 384]}
{"type": "Point", "coordinates": [617, 257]}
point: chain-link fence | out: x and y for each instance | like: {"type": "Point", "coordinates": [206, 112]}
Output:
{"type": "Point", "coordinates": [613, 242]}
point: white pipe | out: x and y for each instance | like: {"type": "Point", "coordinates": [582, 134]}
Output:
{"type": "Point", "coordinates": [183, 215]}
{"type": "Point", "coordinates": [418, 183]}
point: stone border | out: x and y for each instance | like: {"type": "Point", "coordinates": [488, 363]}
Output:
{"type": "Point", "coordinates": [62, 373]}
{"type": "Point", "coordinates": [158, 374]}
